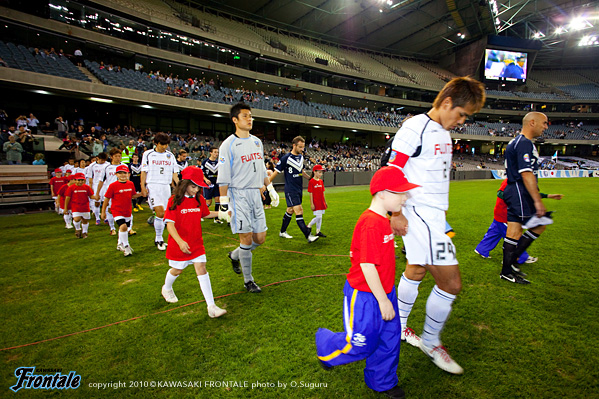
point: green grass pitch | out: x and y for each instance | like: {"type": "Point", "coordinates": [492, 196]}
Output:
{"type": "Point", "coordinates": [101, 315]}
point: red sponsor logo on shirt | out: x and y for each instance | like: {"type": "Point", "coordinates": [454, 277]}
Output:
{"type": "Point", "coordinates": [168, 163]}
{"type": "Point", "coordinates": [446, 148]}
{"type": "Point", "coordinates": [251, 157]}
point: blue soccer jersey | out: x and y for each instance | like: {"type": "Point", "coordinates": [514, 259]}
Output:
{"type": "Point", "coordinates": [210, 169]}
{"type": "Point", "coordinates": [520, 156]}
{"type": "Point", "coordinates": [292, 166]}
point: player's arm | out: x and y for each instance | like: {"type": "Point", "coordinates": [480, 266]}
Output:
{"type": "Point", "coordinates": [374, 283]}
{"type": "Point", "coordinates": [312, 202]}
{"type": "Point", "coordinates": [211, 215]}
{"type": "Point", "coordinates": [306, 175]}
{"type": "Point", "coordinates": [172, 231]}
{"type": "Point", "coordinates": [271, 178]}
{"type": "Point", "coordinates": [553, 196]}
{"type": "Point", "coordinates": [530, 182]}
{"type": "Point", "coordinates": [98, 190]}
{"type": "Point", "coordinates": [175, 178]}
{"type": "Point", "coordinates": [67, 199]}
{"type": "Point", "coordinates": [52, 190]}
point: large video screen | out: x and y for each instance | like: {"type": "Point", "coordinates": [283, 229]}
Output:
{"type": "Point", "coordinates": [505, 65]}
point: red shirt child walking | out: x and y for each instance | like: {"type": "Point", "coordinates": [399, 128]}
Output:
{"type": "Point", "coordinates": [317, 202]}
{"type": "Point", "coordinates": [77, 196]}
{"type": "Point", "coordinates": [118, 196]}
{"type": "Point", "coordinates": [183, 217]}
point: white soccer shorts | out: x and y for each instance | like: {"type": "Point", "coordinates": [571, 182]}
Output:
{"type": "Point", "coordinates": [84, 215]}
{"type": "Point", "coordinates": [158, 195]}
{"type": "Point", "coordinates": [426, 242]}
{"type": "Point", "coordinates": [318, 213]}
{"type": "Point", "coordinates": [182, 264]}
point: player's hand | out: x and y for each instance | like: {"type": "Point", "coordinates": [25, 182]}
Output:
{"type": "Point", "coordinates": [223, 213]}
{"type": "Point", "coordinates": [555, 196]}
{"type": "Point", "coordinates": [144, 191]}
{"type": "Point", "coordinates": [540, 207]}
{"type": "Point", "coordinates": [399, 225]}
{"type": "Point", "coordinates": [387, 310]}
{"type": "Point", "coordinates": [312, 207]}
{"type": "Point", "coordinates": [184, 247]}
{"type": "Point", "coordinates": [274, 196]}
{"type": "Point", "coordinates": [103, 216]}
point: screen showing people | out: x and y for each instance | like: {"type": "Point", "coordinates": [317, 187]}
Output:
{"type": "Point", "coordinates": [505, 65]}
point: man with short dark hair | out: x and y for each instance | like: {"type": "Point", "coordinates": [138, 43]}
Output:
{"type": "Point", "coordinates": [241, 178]}
{"type": "Point", "coordinates": [292, 165]}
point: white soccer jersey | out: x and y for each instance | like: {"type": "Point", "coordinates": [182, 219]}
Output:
{"type": "Point", "coordinates": [241, 162]}
{"type": "Point", "coordinates": [159, 166]}
{"type": "Point", "coordinates": [96, 173]}
{"type": "Point", "coordinates": [80, 170]}
{"type": "Point", "coordinates": [109, 176]}
{"type": "Point", "coordinates": [430, 149]}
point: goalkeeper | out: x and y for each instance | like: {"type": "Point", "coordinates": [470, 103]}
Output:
{"type": "Point", "coordinates": [292, 166]}
{"type": "Point", "coordinates": [241, 177]}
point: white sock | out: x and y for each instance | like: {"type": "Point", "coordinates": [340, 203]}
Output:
{"type": "Point", "coordinates": [66, 219]}
{"type": "Point", "coordinates": [169, 280]}
{"type": "Point", "coordinates": [97, 212]}
{"type": "Point", "coordinates": [206, 288]}
{"type": "Point", "coordinates": [77, 225]}
{"type": "Point", "coordinates": [130, 223]}
{"type": "Point", "coordinates": [254, 246]}
{"type": "Point", "coordinates": [318, 223]}
{"type": "Point", "coordinates": [159, 227]}
{"type": "Point", "coordinates": [84, 227]}
{"type": "Point", "coordinates": [407, 292]}
{"type": "Point", "coordinates": [124, 238]}
{"type": "Point", "coordinates": [245, 259]}
{"type": "Point", "coordinates": [438, 308]}
{"type": "Point", "coordinates": [110, 220]}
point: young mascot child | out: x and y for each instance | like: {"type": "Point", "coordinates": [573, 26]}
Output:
{"type": "Point", "coordinates": [62, 210]}
{"type": "Point", "coordinates": [55, 184]}
{"type": "Point", "coordinates": [119, 195]}
{"type": "Point", "coordinates": [77, 196]}
{"type": "Point", "coordinates": [183, 216]}
{"type": "Point", "coordinates": [317, 202]}
{"type": "Point", "coordinates": [371, 316]}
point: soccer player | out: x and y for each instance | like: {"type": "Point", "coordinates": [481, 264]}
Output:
{"type": "Point", "coordinates": [96, 173]}
{"type": "Point", "coordinates": [210, 169]}
{"type": "Point", "coordinates": [63, 210]}
{"type": "Point", "coordinates": [317, 202]}
{"type": "Point", "coordinates": [107, 178]}
{"type": "Point", "coordinates": [498, 227]}
{"type": "Point", "coordinates": [181, 162]}
{"type": "Point", "coordinates": [422, 148]}
{"type": "Point", "coordinates": [55, 184]}
{"type": "Point", "coordinates": [241, 177]}
{"type": "Point", "coordinates": [119, 195]}
{"type": "Point", "coordinates": [292, 165]}
{"type": "Point", "coordinates": [184, 214]}
{"type": "Point", "coordinates": [77, 196]}
{"type": "Point", "coordinates": [135, 177]}
{"type": "Point", "coordinates": [371, 319]}
{"type": "Point", "coordinates": [158, 171]}
{"type": "Point", "coordinates": [525, 207]}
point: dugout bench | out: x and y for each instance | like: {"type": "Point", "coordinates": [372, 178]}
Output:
{"type": "Point", "coordinates": [24, 184]}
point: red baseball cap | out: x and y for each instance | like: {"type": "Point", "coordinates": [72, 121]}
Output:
{"type": "Point", "coordinates": [78, 176]}
{"type": "Point", "coordinates": [122, 168]}
{"type": "Point", "coordinates": [317, 167]}
{"type": "Point", "coordinates": [57, 170]}
{"type": "Point", "coordinates": [391, 179]}
{"type": "Point", "coordinates": [194, 174]}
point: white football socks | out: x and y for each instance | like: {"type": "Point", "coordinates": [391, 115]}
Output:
{"type": "Point", "coordinates": [206, 288]}
{"type": "Point", "coordinates": [438, 308]}
{"type": "Point", "coordinates": [407, 292]}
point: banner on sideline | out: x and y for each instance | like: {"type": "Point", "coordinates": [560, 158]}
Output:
{"type": "Point", "coordinates": [500, 174]}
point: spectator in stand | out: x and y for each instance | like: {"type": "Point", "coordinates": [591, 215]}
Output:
{"type": "Point", "coordinates": [13, 151]}
{"type": "Point", "coordinates": [62, 127]}
{"type": "Point", "coordinates": [27, 142]}
{"type": "Point", "coordinates": [78, 57]}
{"type": "Point", "coordinates": [32, 123]}
{"type": "Point", "coordinates": [3, 119]}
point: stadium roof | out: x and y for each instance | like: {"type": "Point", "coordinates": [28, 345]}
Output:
{"type": "Point", "coordinates": [431, 29]}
